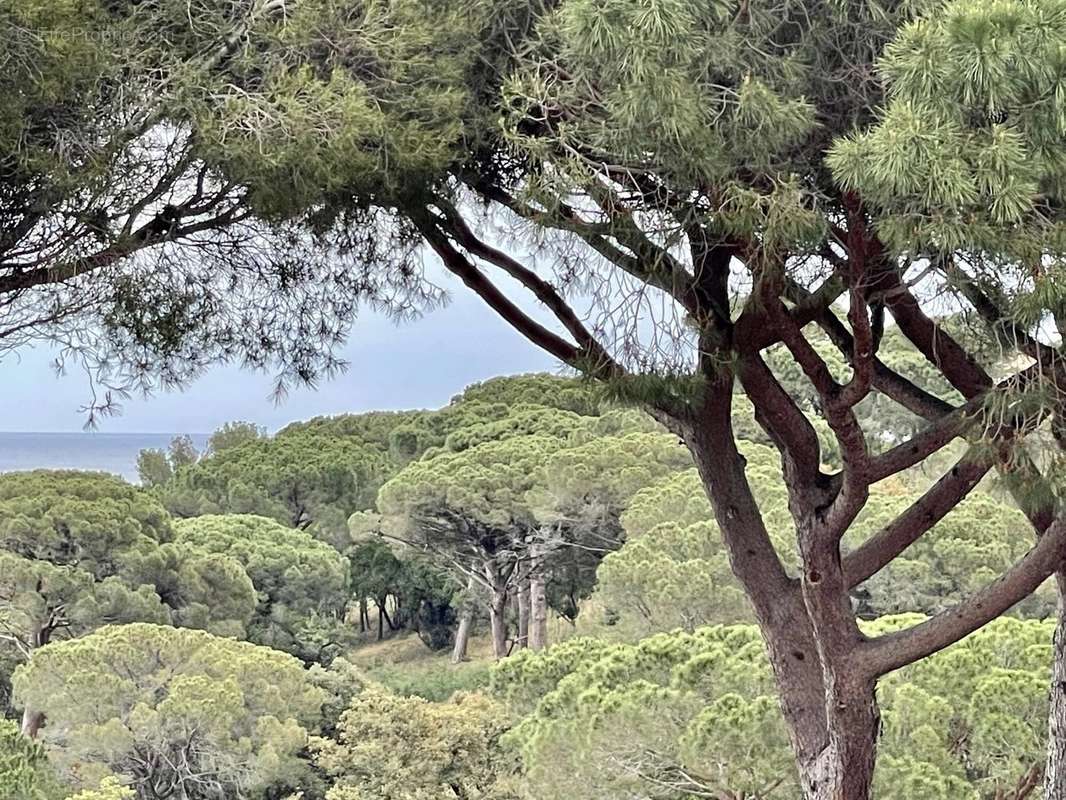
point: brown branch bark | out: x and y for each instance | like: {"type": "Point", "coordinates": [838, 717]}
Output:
{"type": "Point", "coordinates": [895, 650]}
{"type": "Point", "coordinates": [786, 425]}
{"type": "Point", "coordinates": [541, 289]}
{"type": "Point", "coordinates": [855, 485]}
{"type": "Point", "coordinates": [458, 265]}
{"type": "Point", "coordinates": [939, 348]}
{"type": "Point", "coordinates": [883, 547]}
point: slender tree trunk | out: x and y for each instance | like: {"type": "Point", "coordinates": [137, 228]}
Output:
{"type": "Point", "coordinates": [523, 613]}
{"type": "Point", "coordinates": [498, 580]}
{"type": "Point", "coordinates": [381, 622]}
{"type": "Point", "coordinates": [363, 618]}
{"type": "Point", "coordinates": [498, 623]}
{"type": "Point", "coordinates": [538, 601]}
{"type": "Point", "coordinates": [462, 636]}
{"type": "Point", "coordinates": [1055, 768]}
{"type": "Point", "coordinates": [32, 720]}
{"type": "Point", "coordinates": [466, 622]}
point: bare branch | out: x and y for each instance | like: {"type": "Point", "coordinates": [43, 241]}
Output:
{"type": "Point", "coordinates": [887, 653]}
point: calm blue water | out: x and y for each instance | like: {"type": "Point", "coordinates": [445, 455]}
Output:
{"type": "Point", "coordinates": [106, 452]}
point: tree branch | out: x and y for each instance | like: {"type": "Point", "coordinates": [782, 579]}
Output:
{"type": "Point", "coordinates": [939, 348]}
{"type": "Point", "coordinates": [887, 653]}
{"type": "Point", "coordinates": [600, 361]}
{"type": "Point", "coordinates": [883, 547]}
{"type": "Point", "coordinates": [854, 488]}
{"type": "Point", "coordinates": [785, 423]}
{"type": "Point", "coordinates": [455, 263]}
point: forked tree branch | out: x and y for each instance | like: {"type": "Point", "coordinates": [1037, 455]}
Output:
{"type": "Point", "coordinates": [785, 423]}
{"type": "Point", "coordinates": [459, 265]}
{"type": "Point", "coordinates": [600, 359]}
{"type": "Point", "coordinates": [855, 486]}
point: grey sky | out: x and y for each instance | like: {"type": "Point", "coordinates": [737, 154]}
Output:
{"type": "Point", "coordinates": [419, 364]}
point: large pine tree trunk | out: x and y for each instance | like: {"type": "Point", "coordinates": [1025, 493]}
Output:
{"type": "Point", "coordinates": [833, 722]}
{"type": "Point", "coordinates": [845, 769]}
{"type": "Point", "coordinates": [1055, 768]}
{"type": "Point", "coordinates": [830, 711]}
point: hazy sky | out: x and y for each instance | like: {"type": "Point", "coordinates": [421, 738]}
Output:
{"type": "Point", "coordinates": [419, 364]}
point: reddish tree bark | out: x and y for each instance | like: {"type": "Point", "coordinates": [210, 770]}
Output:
{"type": "Point", "coordinates": [826, 670]}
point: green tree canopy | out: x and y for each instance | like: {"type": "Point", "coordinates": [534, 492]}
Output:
{"type": "Point", "coordinates": [673, 570]}
{"type": "Point", "coordinates": [168, 707]}
{"type": "Point", "coordinates": [104, 194]}
{"type": "Point", "coordinates": [699, 716]}
{"type": "Point", "coordinates": [541, 389]}
{"type": "Point", "coordinates": [300, 582]}
{"type": "Point", "coordinates": [406, 748]}
{"type": "Point", "coordinates": [84, 549]}
{"type": "Point", "coordinates": [528, 504]}
{"type": "Point", "coordinates": [980, 539]}
{"type": "Point", "coordinates": [232, 434]}
{"type": "Point", "coordinates": [521, 420]}
{"type": "Point", "coordinates": [304, 480]}
{"type": "Point", "coordinates": [407, 435]}
{"type": "Point", "coordinates": [422, 593]}
{"type": "Point", "coordinates": [79, 550]}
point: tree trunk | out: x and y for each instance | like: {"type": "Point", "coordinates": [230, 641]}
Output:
{"type": "Point", "coordinates": [31, 722]}
{"type": "Point", "coordinates": [538, 601]}
{"type": "Point", "coordinates": [364, 617]}
{"type": "Point", "coordinates": [498, 580]}
{"type": "Point", "coordinates": [1055, 768]}
{"type": "Point", "coordinates": [830, 712]}
{"type": "Point", "coordinates": [462, 636]}
{"type": "Point", "coordinates": [381, 622]}
{"type": "Point", "coordinates": [522, 639]}
{"type": "Point", "coordinates": [498, 623]}
{"type": "Point", "coordinates": [388, 619]}
{"type": "Point", "coordinates": [466, 623]}
{"type": "Point", "coordinates": [845, 769]}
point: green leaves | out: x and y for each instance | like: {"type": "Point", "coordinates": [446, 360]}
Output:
{"type": "Point", "coordinates": [405, 748]}
{"type": "Point", "coordinates": [296, 577]}
{"type": "Point", "coordinates": [129, 698]}
{"type": "Point", "coordinates": [967, 151]}
{"type": "Point", "coordinates": [370, 100]}
{"type": "Point", "coordinates": [24, 769]}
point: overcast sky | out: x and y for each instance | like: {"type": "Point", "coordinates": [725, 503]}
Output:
{"type": "Point", "coordinates": [419, 364]}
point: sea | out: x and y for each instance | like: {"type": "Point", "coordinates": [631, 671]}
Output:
{"type": "Point", "coordinates": [101, 452]}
